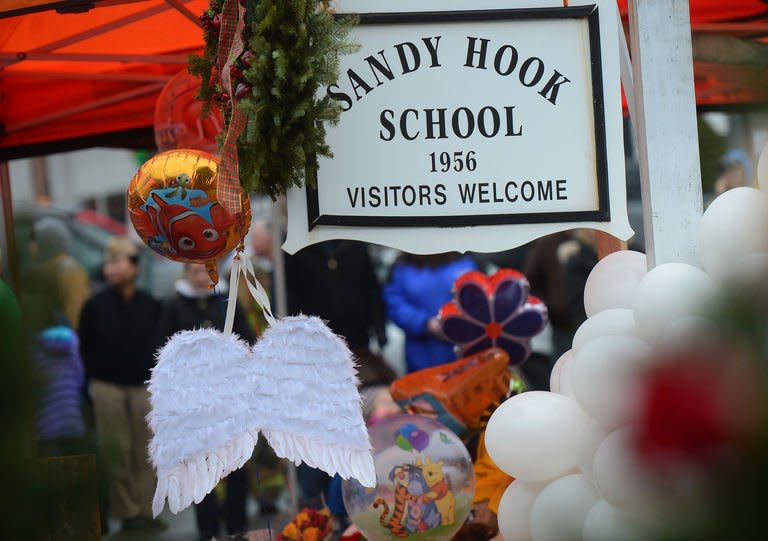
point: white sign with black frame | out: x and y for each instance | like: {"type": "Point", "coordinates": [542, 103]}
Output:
{"type": "Point", "coordinates": [471, 129]}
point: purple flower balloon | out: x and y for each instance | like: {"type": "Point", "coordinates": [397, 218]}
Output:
{"type": "Point", "coordinates": [494, 311]}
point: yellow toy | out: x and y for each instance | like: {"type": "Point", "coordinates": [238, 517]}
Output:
{"type": "Point", "coordinates": [438, 489]}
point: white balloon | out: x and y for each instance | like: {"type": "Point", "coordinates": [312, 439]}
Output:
{"type": "Point", "coordinates": [734, 227]}
{"type": "Point", "coordinates": [614, 321]}
{"type": "Point", "coordinates": [535, 436]}
{"type": "Point", "coordinates": [566, 388]}
{"type": "Point", "coordinates": [762, 169]}
{"type": "Point", "coordinates": [687, 331]}
{"type": "Point", "coordinates": [559, 511]}
{"type": "Point", "coordinates": [613, 282]}
{"type": "Point", "coordinates": [604, 374]}
{"type": "Point", "coordinates": [555, 384]}
{"type": "Point", "coordinates": [748, 270]}
{"type": "Point", "coordinates": [607, 523]}
{"type": "Point", "coordinates": [619, 478]}
{"type": "Point", "coordinates": [592, 437]}
{"type": "Point", "coordinates": [670, 292]}
{"type": "Point", "coordinates": [515, 510]}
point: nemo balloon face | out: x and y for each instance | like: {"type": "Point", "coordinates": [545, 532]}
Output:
{"type": "Point", "coordinates": [173, 206]}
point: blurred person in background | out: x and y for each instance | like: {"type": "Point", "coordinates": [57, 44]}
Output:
{"type": "Point", "coordinates": [557, 268]}
{"type": "Point", "coordinates": [335, 281]}
{"type": "Point", "coordinates": [60, 423]}
{"type": "Point", "coordinates": [735, 171]}
{"type": "Point", "coordinates": [418, 287]}
{"type": "Point", "coordinates": [56, 285]}
{"type": "Point", "coordinates": [117, 344]}
{"type": "Point", "coordinates": [197, 306]}
{"type": "Point", "coordinates": [54, 288]}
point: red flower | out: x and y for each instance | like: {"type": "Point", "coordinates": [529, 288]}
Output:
{"type": "Point", "coordinates": [242, 90]}
{"type": "Point", "coordinates": [246, 58]}
{"type": "Point", "coordinates": [695, 408]}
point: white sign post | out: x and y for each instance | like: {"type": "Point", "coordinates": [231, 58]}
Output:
{"type": "Point", "coordinates": [471, 127]}
{"type": "Point", "coordinates": [666, 125]}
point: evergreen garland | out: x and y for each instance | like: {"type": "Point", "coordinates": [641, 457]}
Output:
{"type": "Point", "coordinates": [292, 50]}
{"type": "Point", "coordinates": [204, 66]}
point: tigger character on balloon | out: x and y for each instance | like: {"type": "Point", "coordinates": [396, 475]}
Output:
{"type": "Point", "coordinates": [400, 476]}
{"type": "Point", "coordinates": [172, 203]}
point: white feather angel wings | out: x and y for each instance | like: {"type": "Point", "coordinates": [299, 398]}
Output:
{"type": "Point", "coordinates": [212, 394]}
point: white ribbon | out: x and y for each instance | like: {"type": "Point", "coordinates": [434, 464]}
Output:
{"type": "Point", "coordinates": [241, 266]}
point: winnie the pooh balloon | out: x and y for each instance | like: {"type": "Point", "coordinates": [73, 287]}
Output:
{"type": "Point", "coordinates": [173, 206]}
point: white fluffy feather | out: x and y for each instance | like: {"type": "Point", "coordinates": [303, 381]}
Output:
{"type": "Point", "coordinates": [211, 394]}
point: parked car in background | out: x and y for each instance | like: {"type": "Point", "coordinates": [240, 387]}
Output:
{"type": "Point", "coordinates": [90, 233]}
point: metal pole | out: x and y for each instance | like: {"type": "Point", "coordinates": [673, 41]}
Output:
{"type": "Point", "coordinates": [10, 230]}
{"type": "Point", "coordinates": [179, 6]}
{"type": "Point", "coordinates": [132, 77]}
{"type": "Point", "coordinates": [96, 57]}
{"type": "Point", "coordinates": [116, 98]}
{"type": "Point", "coordinates": [665, 120]}
{"type": "Point", "coordinates": [279, 293]}
{"type": "Point", "coordinates": [280, 298]}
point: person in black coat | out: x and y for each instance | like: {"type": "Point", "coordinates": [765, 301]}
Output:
{"type": "Point", "coordinates": [335, 280]}
{"type": "Point", "coordinates": [117, 345]}
{"type": "Point", "coordinates": [197, 306]}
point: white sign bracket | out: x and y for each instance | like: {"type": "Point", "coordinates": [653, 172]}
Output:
{"type": "Point", "coordinates": [665, 123]}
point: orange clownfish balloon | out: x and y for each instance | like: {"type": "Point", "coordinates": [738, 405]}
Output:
{"type": "Point", "coordinates": [173, 207]}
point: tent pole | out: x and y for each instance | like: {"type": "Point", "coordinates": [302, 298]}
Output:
{"type": "Point", "coordinates": [95, 57]}
{"type": "Point", "coordinates": [116, 98]}
{"type": "Point", "coordinates": [96, 31]}
{"type": "Point", "coordinates": [12, 265]}
{"type": "Point", "coordinates": [665, 121]}
{"type": "Point", "coordinates": [179, 6]}
{"type": "Point", "coordinates": [132, 77]}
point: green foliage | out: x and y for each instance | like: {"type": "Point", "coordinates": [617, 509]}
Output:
{"type": "Point", "coordinates": [292, 53]}
{"type": "Point", "coordinates": [203, 67]}
{"type": "Point", "coordinates": [296, 50]}
{"type": "Point", "coordinates": [23, 514]}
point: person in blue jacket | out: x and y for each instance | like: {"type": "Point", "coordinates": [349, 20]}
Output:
{"type": "Point", "coordinates": [419, 286]}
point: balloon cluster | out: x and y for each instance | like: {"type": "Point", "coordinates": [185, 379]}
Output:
{"type": "Point", "coordinates": [409, 437]}
{"type": "Point", "coordinates": [576, 474]}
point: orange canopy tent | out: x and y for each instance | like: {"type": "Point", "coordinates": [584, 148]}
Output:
{"type": "Point", "coordinates": [73, 78]}
{"type": "Point", "coordinates": [82, 73]}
